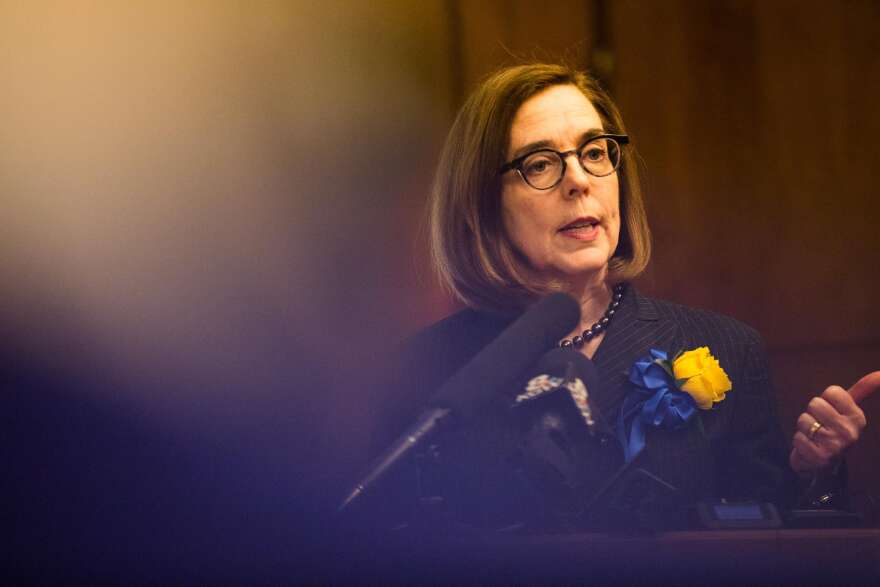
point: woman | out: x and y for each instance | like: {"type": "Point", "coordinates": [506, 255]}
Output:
{"type": "Point", "coordinates": [537, 192]}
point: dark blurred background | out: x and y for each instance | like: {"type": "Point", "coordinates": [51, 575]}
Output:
{"type": "Point", "coordinates": [212, 233]}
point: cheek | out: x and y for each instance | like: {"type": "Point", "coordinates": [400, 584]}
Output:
{"type": "Point", "coordinates": [614, 234]}
{"type": "Point", "coordinates": [615, 215]}
{"type": "Point", "coordinates": [612, 208]}
{"type": "Point", "coordinates": [614, 199]}
{"type": "Point", "coordinates": [517, 214]}
{"type": "Point", "coordinates": [525, 225]}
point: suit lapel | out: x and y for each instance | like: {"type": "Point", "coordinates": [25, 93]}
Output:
{"type": "Point", "coordinates": [635, 329]}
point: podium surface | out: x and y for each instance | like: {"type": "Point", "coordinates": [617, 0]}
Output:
{"type": "Point", "coordinates": [783, 556]}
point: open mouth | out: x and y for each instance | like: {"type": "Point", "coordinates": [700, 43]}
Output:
{"type": "Point", "coordinates": [580, 224]}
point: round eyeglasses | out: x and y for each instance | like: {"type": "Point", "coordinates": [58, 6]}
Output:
{"type": "Point", "coordinates": [544, 168]}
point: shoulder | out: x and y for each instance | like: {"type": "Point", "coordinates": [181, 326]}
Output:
{"type": "Point", "coordinates": [425, 360]}
{"type": "Point", "coordinates": [737, 346]}
{"type": "Point", "coordinates": [440, 349]}
{"type": "Point", "coordinates": [700, 322]}
{"type": "Point", "coordinates": [451, 328]}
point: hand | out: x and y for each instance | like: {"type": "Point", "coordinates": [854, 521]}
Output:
{"type": "Point", "coordinates": [842, 421]}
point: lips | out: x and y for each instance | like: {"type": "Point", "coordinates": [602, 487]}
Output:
{"type": "Point", "coordinates": [585, 223]}
{"type": "Point", "coordinates": [584, 229]}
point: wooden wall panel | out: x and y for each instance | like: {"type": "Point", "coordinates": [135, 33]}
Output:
{"type": "Point", "coordinates": [756, 123]}
{"type": "Point", "coordinates": [497, 32]}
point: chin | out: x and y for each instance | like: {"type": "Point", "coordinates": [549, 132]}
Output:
{"type": "Point", "coordinates": [577, 272]}
{"type": "Point", "coordinates": [570, 267]}
{"type": "Point", "coordinates": [591, 262]}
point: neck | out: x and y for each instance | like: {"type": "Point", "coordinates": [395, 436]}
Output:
{"type": "Point", "coordinates": [594, 295]}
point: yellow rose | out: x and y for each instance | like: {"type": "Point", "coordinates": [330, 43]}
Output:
{"type": "Point", "coordinates": [698, 373]}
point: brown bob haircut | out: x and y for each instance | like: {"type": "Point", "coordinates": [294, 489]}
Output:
{"type": "Point", "coordinates": [472, 255]}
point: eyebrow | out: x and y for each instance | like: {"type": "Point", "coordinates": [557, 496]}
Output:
{"type": "Point", "coordinates": [546, 144]}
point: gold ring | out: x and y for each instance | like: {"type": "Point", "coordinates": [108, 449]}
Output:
{"type": "Point", "coordinates": [813, 429]}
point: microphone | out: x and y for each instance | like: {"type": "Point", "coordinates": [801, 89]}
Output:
{"type": "Point", "coordinates": [561, 436]}
{"type": "Point", "coordinates": [568, 369]}
{"type": "Point", "coordinates": [495, 367]}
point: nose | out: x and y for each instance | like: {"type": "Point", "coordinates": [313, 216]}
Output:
{"type": "Point", "coordinates": [576, 180]}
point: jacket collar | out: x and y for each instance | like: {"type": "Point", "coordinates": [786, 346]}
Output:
{"type": "Point", "coordinates": [636, 328]}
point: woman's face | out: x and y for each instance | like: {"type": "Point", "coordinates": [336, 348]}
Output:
{"type": "Point", "coordinates": [570, 231]}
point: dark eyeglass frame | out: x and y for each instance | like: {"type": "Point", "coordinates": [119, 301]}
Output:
{"type": "Point", "coordinates": [621, 141]}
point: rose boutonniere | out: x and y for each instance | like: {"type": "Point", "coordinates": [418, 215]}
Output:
{"type": "Point", "coordinates": [667, 393]}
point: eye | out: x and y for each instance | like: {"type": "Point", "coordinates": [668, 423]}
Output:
{"type": "Point", "coordinates": [540, 164]}
{"type": "Point", "coordinates": [594, 153]}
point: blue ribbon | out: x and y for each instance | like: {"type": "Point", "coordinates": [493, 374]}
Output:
{"type": "Point", "coordinates": [653, 401]}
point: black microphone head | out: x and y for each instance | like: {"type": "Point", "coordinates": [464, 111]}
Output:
{"type": "Point", "coordinates": [556, 315]}
{"type": "Point", "coordinates": [556, 363]}
{"type": "Point", "coordinates": [492, 370]}
{"type": "Point", "coordinates": [496, 368]}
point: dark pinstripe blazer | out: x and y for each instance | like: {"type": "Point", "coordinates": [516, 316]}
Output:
{"type": "Point", "coordinates": [740, 453]}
